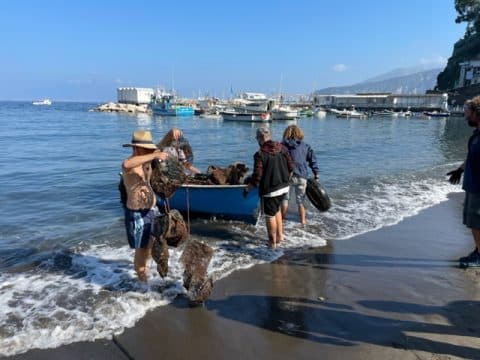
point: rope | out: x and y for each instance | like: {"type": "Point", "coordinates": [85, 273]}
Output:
{"type": "Point", "coordinates": [188, 210]}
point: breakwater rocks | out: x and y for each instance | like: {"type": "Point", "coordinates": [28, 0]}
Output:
{"type": "Point", "coordinates": [124, 108]}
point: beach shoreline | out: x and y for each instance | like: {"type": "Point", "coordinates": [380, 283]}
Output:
{"type": "Point", "coordinates": [391, 293]}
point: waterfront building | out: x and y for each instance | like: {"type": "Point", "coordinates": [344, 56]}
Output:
{"type": "Point", "coordinates": [469, 73]}
{"type": "Point", "coordinates": [134, 95]}
{"type": "Point", "coordinates": [381, 101]}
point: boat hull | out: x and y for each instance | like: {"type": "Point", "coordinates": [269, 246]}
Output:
{"type": "Point", "coordinates": [436, 114]}
{"type": "Point", "coordinates": [173, 111]}
{"type": "Point", "coordinates": [284, 115]}
{"type": "Point", "coordinates": [247, 117]}
{"type": "Point", "coordinates": [222, 201]}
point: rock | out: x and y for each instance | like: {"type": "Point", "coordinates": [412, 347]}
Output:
{"type": "Point", "coordinates": [120, 107]}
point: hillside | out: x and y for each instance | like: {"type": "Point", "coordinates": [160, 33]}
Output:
{"type": "Point", "coordinates": [416, 83]}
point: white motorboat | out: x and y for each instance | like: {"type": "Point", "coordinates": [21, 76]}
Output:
{"type": "Point", "coordinates": [42, 102]}
{"type": "Point", "coordinates": [405, 113]}
{"type": "Point", "coordinates": [385, 113]}
{"type": "Point", "coordinates": [284, 113]}
{"type": "Point", "coordinates": [351, 114]}
{"type": "Point", "coordinates": [320, 113]}
{"type": "Point", "coordinates": [245, 116]}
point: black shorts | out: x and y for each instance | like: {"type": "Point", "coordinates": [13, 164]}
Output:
{"type": "Point", "coordinates": [271, 205]}
{"type": "Point", "coordinates": [471, 210]}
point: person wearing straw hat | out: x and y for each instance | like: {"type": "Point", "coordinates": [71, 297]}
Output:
{"type": "Point", "coordinates": [141, 202]}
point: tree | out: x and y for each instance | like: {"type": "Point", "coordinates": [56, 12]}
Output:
{"type": "Point", "coordinates": [469, 12]}
{"type": "Point", "coordinates": [466, 48]}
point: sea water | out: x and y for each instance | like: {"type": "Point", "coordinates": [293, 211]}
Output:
{"type": "Point", "coordinates": [66, 270]}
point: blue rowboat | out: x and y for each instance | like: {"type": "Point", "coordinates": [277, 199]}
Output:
{"type": "Point", "coordinates": [222, 201]}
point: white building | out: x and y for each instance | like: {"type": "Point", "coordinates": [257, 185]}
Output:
{"type": "Point", "coordinates": [469, 73]}
{"type": "Point", "coordinates": [133, 95]}
{"type": "Point", "coordinates": [377, 101]}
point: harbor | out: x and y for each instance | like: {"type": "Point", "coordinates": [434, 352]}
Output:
{"type": "Point", "coordinates": [241, 181]}
{"type": "Point", "coordinates": [258, 107]}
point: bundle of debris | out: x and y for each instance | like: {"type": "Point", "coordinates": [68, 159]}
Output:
{"type": "Point", "coordinates": [170, 230]}
{"type": "Point", "coordinates": [233, 174]}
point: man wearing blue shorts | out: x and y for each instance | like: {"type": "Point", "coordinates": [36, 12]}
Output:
{"type": "Point", "coordinates": [471, 182]}
{"type": "Point", "coordinates": [140, 208]}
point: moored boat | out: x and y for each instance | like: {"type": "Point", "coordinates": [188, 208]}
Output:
{"type": "Point", "coordinates": [436, 114]}
{"type": "Point", "coordinates": [284, 113]}
{"type": "Point", "coordinates": [245, 116]}
{"type": "Point", "coordinates": [164, 104]}
{"type": "Point", "coordinates": [222, 201]}
{"type": "Point", "coordinates": [42, 102]}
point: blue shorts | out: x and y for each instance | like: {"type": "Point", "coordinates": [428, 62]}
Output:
{"type": "Point", "coordinates": [138, 224]}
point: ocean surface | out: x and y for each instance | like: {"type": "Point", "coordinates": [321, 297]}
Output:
{"type": "Point", "coordinates": [66, 271]}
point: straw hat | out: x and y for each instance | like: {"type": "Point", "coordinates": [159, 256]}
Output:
{"type": "Point", "coordinates": [143, 139]}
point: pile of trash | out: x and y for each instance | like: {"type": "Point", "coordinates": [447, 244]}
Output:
{"type": "Point", "coordinates": [170, 230]}
{"type": "Point", "coordinates": [233, 174]}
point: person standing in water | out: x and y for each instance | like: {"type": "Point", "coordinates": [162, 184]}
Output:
{"type": "Point", "coordinates": [272, 168]}
{"type": "Point", "coordinates": [303, 158]}
{"type": "Point", "coordinates": [140, 208]}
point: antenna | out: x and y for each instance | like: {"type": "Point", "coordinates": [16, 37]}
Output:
{"type": "Point", "coordinates": [280, 88]}
{"type": "Point", "coordinates": [173, 80]}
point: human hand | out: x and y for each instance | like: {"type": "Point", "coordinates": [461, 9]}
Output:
{"type": "Point", "coordinates": [176, 134]}
{"type": "Point", "coordinates": [160, 155]}
{"type": "Point", "coordinates": [455, 176]}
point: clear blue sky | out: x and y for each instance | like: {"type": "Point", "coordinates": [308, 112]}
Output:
{"type": "Point", "coordinates": [84, 50]}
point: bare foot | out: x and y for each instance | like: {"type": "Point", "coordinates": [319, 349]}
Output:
{"type": "Point", "coordinates": [142, 276]}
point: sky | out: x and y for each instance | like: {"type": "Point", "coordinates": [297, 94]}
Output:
{"type": "Point", "coordinates": [84, 50]}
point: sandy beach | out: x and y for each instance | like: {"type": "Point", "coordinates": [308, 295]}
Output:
{"type": "Point", "coordinates": [394, 293]}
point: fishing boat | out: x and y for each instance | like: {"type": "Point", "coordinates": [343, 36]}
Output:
{"type": "Point", "coordinates": [42, 102]}
{"type": "Point", "coordinates": [165, 104]}
{"type": "Point", "coordinates": [233, 115]}
{"type": "Point", "coordinates": [221, 201]}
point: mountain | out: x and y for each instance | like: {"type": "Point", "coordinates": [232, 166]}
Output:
{"type": "Point", "coordinates": [399, 81]}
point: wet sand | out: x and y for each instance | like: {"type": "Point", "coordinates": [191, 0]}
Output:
{"type": "Point", "coordinates": [394, 293]}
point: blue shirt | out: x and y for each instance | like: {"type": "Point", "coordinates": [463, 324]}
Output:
{"type": "Point", "coordinates": [471, 176]}
{"type": "Point", "coordinates": [303, 157]}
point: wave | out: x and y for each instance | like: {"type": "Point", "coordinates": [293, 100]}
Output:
{"type": "Point", "coordinates": [91, 292]}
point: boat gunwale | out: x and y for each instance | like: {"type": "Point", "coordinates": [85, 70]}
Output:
{"type": "Point", "coordinates": [212, 186]}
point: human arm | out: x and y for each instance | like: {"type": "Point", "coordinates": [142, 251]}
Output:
{"type": "Point", "coordinates": [290, 163]}
{"type": "Point", "coordinates": [312, 163]}
{"type": "Point", "coordinates": [257, 174]}
{"type": "Point", "coordinates": [192, 168]}
{"type": "Point", "coordinates": [138, 160]}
